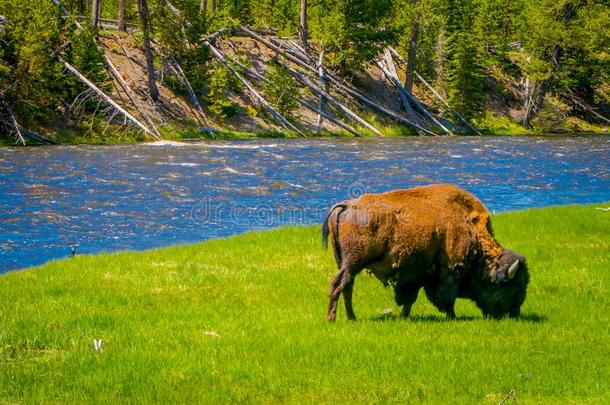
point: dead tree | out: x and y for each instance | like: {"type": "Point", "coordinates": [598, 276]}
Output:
{"type": "Point", "coordinates": [127, 90]}
{"type": "Point", "coordinates": [540, 89]}
{"type": "Point", "coordinates": [203, 120]}
{"type": "Point", "coordinates": [535, 100]}
{"type": "Point", "coordinates": [303, 79]}
{"type": "Point", "coordinates": [409, 99]}
{"type": "Point", "coordinates": [305, 104]}
{"type": "Point", "coordinates": [412, 52]}
{"type": "Point", "coordinates": [321, 84]}
{"type": "Point", "coordinates": [150, 68]}
{"type": "Point", "coordinates": [255, 95]}
{"type": "Point", "coordinates": [121, 17]}
{"type": "Point", "coordinates": [303, 25]}
{"type": "Point", "coordinates": [7, 107]}
{"type": "Point", "coordinates": [389, 71]}
{"type": "Point", "coordinates": [103, 96]}
{"type": "Point", "coordinates": [434, 92]}
{"type": "Point", "coordinates": [339, 84]}
{"type": "Point", "coordinates": [117, 75]}
{"type": "Point", "coordinates": [95, 13]}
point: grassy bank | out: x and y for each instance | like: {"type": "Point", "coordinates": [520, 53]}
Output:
{"type": "Point", "coordinates": [116, 135]}
{"type": "Point", "coordinates": [242, 319]}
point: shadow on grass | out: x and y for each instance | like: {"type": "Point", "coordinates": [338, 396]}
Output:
{"type": "Point", "coordinates": [531, 317]}
{"type": "Point", "coordinates": [534, 318]}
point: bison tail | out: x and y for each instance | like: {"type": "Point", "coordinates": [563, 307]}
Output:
{"type": "Point", "coordinates": [326, 230]}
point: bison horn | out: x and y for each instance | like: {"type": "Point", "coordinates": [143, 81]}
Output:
{"type": "Point", "coordinates": [513, 269]}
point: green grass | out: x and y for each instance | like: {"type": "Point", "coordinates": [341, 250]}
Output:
{"type": "Point", "coordinates": [242, 319]}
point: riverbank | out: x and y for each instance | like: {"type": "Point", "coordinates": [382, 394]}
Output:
{"type": "Point", "coordinates": [492, 127]}
{"type": "Point", "coordinates": [242, 319]}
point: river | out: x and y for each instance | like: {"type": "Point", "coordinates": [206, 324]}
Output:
{"type": "Point", "coordinates": [134, 197]}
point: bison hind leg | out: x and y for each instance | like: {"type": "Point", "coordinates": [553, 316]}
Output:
{"type": "Point", "coordinates": [342, 283]}
{"type": "Point", "coordinates": [405, 295]}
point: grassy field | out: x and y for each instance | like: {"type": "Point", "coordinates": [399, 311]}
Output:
{"type": "Point", "coordinates": [242, 319]}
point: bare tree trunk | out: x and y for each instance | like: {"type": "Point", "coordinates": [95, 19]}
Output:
{"type": "Point", "coordinates": [203, 5]}
{"type": "Point", "coordinates": [18, 135]}
{"type": "Point", "coordinates": [331, 79]}
{"type": "Point", "coordinates": [102, 95]}
{"type": "Point", "coordinates": [412, 53]}
{"type": "Point", "coordinates": [408, 97]}
{"type": "Point", "coordinates": [303, 27]}
{"type": "Point", "coordinates": [144, 18]}
{"type": "Point", "coordinates": [256, 97]}
{"type": "Point", "coordinates": [303, 79]}
{"type": "Point", "coordinates": [321, 84]}
{"type": "Point", "coordinates": [526, 93]}
{"type": "Point", "coordinates": [212, 5]}
{"type": "Point", "coordinates": [122, 25]}
{"type": "Point", "coordinates": [440, 63]}
{"type": "Point", "coordinates": [95, 13]}
{"type": "Point", "coordinates": [540, 90]}
{"type": "Point", "coordinates": [429, 86]}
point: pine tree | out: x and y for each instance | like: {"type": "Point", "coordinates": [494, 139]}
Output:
{"type": "Point", "coordinates": [465, 73]}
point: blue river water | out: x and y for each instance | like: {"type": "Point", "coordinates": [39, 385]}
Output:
{"type": "Point", "coordinates": [134, 197]}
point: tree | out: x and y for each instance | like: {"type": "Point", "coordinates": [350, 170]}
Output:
{"type": "Point", "coordinates": [122, 24]}
{"type": "Point", "coordinates": [352, 31]}
{"type": "Point", "coordinates": [412, 52]}
{"type": "Point", "coordinates": [303, 25]}
{"type": "Point", "coordinates": [95, 13]}
{"type": "Point", "coordinates": [465, 73]}
{"type": "Point", "coordinates": [150, 68]}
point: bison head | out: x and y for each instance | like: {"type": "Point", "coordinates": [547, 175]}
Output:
{"type": "Point", "coordinates": [502, 291]}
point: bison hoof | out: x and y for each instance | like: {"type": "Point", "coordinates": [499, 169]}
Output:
{"type": "Point", "coordinates": [330, 318]}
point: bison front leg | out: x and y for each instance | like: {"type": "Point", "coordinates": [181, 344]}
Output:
{"type": "Point", "coordinates": [405, 295]}
{"type": "Point", "coordinates": [343, 282]}
{"type": "Point", "coordinates": [443, 295]}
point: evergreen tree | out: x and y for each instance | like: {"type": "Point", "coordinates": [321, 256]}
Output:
{"type": "Point", "coordinates": [465, 73]}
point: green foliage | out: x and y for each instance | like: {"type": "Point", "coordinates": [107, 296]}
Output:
{"type": "Point", "coordinates": [488, 124]}
{"type": "Point", "coordinates": [85, 56]}
{"type": "Point", "coordinates": [220, 82]}
{"type": "Point", "coordinates": [281, 90]}
{"type": "Point", "coordinates": [465, 73]}
{"type": "Point", "coordinates": [351, 31]}
{"type": "Point", "coordinates": [33, 80]}
{"type": "Point", "coordinates": [430, 24]}
{"type": "Point", "coordinates": [460, 44]}
{"type": "Point", "coordinates": [242, 320]}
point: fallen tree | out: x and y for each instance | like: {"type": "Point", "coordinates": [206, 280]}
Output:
{"type": "Point", "coordinates": [332, 79]}
{"type": "Point", "coordinates": [103, 96]}
{"type": "Point", "coordinates": [434, 92]}
{"type": "Point", "coordinates": [255, 94]}
{"type": "Point", "coordinates": [113, 71]}
{"type": "Point", "coordinates": [321, 113]}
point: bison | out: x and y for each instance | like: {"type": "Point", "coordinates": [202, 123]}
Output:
{"type": "Point", "coordinates": [438, 237]}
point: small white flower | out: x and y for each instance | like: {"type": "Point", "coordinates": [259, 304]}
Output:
{"type": "Point", "coordinates": [211, 333]}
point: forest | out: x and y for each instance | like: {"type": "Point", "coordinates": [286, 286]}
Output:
{"type": "Point", "coordinates": [103, 71]}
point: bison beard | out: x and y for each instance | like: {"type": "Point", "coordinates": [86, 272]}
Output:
{"type": "Point", "coordinates": [436, 237]}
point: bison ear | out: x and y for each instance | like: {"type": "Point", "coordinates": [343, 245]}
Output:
{"type": "Point", "coordinates": [512, 270]}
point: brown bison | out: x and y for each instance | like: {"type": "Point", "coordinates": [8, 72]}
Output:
{"type": "Point", "coordinates": [437, 237]}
